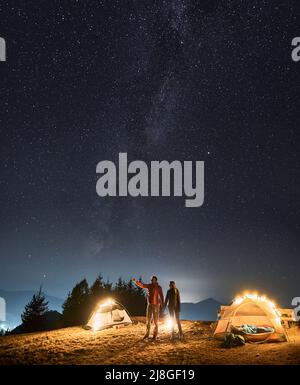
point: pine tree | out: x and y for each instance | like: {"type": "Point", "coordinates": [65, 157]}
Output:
{"type": "Point", "coordinates": [32, 316]}
{"type": "Point", "coordinates": [120, 286]}
{"type": "Point", "coordinates": [139, 300]}
{"type": "Point", "coordinates": [108, 287]}
{"type": "Point", "coordinates": [76, 308]}
{"type": "Point", "coordinates": [97, 289]}
{"type": "Point", "coordinates": [132, 297]}
{"type": "Point", "coordinates": [97, 292]}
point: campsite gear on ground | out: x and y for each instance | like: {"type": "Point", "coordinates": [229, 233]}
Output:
{"type": "Point", "coordinates": [253, 334]}
{"type": "Point", "coordinates": [288, 318]}
{"type": "Point", "coordinates": [251, 329]}
{"type": "Point", "coordinates": [254, 310]}
{"type": "Point", "coordinates": [173, 303]}
{"type": "Point", "coordinates": [232, 340]}
{"type": "Point", "coordinates": [119, 326]}
{"type": "Point", "coordinates": [155, 300]}
{"type": "Point", "coordinates": [108, 314]}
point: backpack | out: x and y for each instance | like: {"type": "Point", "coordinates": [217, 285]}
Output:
{"type": "Point", "coordinates": [232, 340]}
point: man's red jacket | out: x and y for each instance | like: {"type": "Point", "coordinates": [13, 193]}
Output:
{"type": "Point", "coordinates": [155, 293]}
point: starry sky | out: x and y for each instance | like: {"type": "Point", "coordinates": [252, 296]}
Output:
{"type": "Point", "coordinates": [161, 80]}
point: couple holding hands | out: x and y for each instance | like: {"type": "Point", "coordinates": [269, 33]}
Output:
{"type": "Point", "coordinates": [156, 302]}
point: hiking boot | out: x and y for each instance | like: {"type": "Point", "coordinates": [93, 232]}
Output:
{"type": "Point", "coordinates": [146, 336]}
{"type": "Point", "coordinates": [154, 335]}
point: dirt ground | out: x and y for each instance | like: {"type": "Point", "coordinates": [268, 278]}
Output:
{"type": "Point", "coordinates": [125, 346]}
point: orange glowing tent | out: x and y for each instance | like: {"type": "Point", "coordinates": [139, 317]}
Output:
{"type": "Point", "coordinates": [251, 309]}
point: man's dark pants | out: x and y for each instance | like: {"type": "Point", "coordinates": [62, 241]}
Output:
{"type": "Point", "coordinates": [152, 312]}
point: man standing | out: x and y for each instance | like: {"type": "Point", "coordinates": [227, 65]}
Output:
{"type": "Point", "coordinates": [155, 300]}
{"type": "Point", "coordinates": [173, 303]}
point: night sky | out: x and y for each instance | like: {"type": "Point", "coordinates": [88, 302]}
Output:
{"type": "Point", "coordinates": [169, 80]}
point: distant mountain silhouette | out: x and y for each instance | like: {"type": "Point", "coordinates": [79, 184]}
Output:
{"type": "Point", "coordinates": [16, 301]}
{"type": "Point", "coordinates": [205, 310]}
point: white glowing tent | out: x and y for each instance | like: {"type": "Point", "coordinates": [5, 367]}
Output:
{"type": "Point", "coordinates": [254, 310]}
{"type": "Point", "coordinates": [107, 314]}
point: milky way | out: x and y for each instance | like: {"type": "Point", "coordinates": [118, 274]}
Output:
{"type": "Point", "coordinates": [191, 80]}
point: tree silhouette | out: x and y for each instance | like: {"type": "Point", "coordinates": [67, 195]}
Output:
{"type": "Point", "coordinates": [32, 316]}
{"type": "Point", "coordinates": [82, 300]}
{"type": "Point", "coordinates": [130, 296]}
{"type": "Point", "coordinates": [97, 290]}
{"type": "Point", "coordinates": [76, 308]}
{"type": "Point", "coordinates": [108, 287]}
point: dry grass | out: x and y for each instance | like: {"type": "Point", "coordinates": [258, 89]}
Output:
{"type": "Point", "coordinates": [125, 346]}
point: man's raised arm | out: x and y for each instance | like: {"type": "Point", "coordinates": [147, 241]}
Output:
{"type": "Point", "coordinates": [140, 284]}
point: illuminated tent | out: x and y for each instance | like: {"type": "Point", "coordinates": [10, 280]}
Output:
{"type": "Point", "coordinates": [107, 314]}
{"type": "Point", "coordinates": [251, 309]}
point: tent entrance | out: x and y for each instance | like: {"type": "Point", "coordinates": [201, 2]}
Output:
{"type": "Point", "coordinates": [108, 314]}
